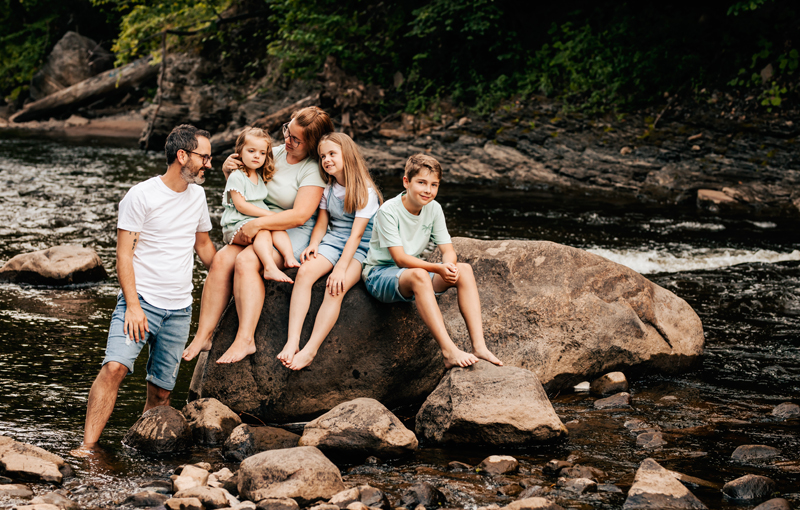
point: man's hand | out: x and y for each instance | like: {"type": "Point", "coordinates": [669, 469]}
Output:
{"type": "Point", "coordinates": [135, 322]}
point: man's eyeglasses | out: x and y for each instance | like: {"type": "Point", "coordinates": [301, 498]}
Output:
{"type": "Point", "coordinates": [206, 157]}
{"type": "Point", "coordinates": [288, 136]}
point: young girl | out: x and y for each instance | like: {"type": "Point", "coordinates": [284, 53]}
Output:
{"type": "Point", "coordinates": [244, 197]}
{"type": "Point", "coordinates": [349, 202]}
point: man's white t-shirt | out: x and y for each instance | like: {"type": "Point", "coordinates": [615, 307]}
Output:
{"type": "Point", "coordinates": [164, 256]}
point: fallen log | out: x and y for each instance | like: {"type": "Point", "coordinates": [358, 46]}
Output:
{"type": "Point", "coordinates": [89, 90]}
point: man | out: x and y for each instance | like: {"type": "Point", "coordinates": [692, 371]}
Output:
{"type": "Point", "coordinates": [160, 221]}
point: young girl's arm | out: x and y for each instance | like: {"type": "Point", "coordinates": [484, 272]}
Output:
{"type": "Point", "coordinates": [245, 207]}
{"type": "Point", "coordinates": [320, 228]}
{"type": "Point", "coordinates": [335, 283]}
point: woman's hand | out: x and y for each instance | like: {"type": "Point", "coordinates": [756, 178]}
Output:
{"type": "Point", "coordinates": [335, 283]}
{"type": "Point", "coordinates": [249, 231]}
{"type": "Point", "coordinates": [309, 252]}
{"type": "Point", "coordinates": [231, 163]}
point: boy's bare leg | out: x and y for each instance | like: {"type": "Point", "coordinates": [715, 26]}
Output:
{"type": "Point", "coordinates": [282, 243]}
{"type": "Point", "coordinates": [217, 291]}
{"type": "Point", "coordinates": [262, 244]}
{"type": "Point", "coordinates": [417, 282]}
{"type": "Point", "coordinates": [308, 273]}
{"type": "Point", "coordinates": [327, 316]}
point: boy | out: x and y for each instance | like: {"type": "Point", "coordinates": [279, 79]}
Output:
{"type": "Point", "coordinates": [394, 272]}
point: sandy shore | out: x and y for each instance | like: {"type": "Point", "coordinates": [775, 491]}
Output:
{"type": "Point", "coordinates": [125, 126]}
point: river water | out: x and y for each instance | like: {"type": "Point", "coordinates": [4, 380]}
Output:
{"type": "Point", "coordinates": [741, 275]}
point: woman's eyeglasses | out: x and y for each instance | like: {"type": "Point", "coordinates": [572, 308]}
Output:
{"type": "Point", "coordinates": [289, 137]}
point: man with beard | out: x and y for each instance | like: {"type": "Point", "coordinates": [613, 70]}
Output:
{"type": "Point", "coordinates": [161, 221]}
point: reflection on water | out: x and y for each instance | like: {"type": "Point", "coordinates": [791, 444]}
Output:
{"type": "Point", "coordinates": [741, 276]}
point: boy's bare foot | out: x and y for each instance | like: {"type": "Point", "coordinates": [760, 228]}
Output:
{"type": "Point", "coordinates": [488, 356]}
{"type": "Point", "coordinates": [238, 351]}
{"type": "Point", "coordinates": [301, 360]}
{"type": "Point", "coordinates": [290, 262]}
{"type": "Point", "coordinates": [287, 354]}
{"type": "Point", "coordinates": [276, 275]}
{"type": "Point", "coordinates": [459, 358]}
{"type": "Point", "coordinates": [196, 347]}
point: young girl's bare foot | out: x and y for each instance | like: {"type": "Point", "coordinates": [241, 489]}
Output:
{"type": "Point", "coordinates": [239, 350]}
{"type": "Point", "coordinates": [288, 352]}
{"type": "Point", "coordinates": [197, 346]}
{"type": "Point", "coordinates": [276, 275]}
{"type": "Point", "coordinates": [290, 262]}
{"type": "Point", "coordinates": [459, 358]}
{"type": "Point", "coordinates": [302, 359]}
{"type": "Point", "coordinates": [488, 356]}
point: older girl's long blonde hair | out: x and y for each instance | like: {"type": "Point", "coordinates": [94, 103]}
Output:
{"type": "Point", "coordinates": [267, 170]}
{"type": "Point", "coordinates": [357, 180]}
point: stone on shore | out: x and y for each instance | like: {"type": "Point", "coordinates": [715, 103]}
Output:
{"type": "Point", "coordinates": [533, 504]}
{"type": "Point", "coordinates": [248, 440]}
{"type": "Point", "coordinates": [786, 410]}
{"type": "Point", "coordinates": [364, 495]}
{"type": "Point", "coordinates": [38, 506]}
{"type": "Point", "coordinates": [302, 473]}
{"type": "Point", "coordinates": [277, 504]}
{"type": "Point", "coordinates": [614, 382]}
{"type": "Point", "coordinates": [560, 312]}
{"type": "Point", "coordinates": [754, 453]}
{"type": "Point", "coordinates": [424, 494]}
{"type": "Point", "coordinates": [29, 462]}
{"type": "Point", "coordinates": [484, 403]}
{"type": "Point", "coordinates": [210, 497]}
{"type": "Point", "coordinates": [183, 504]}
{"type": "Point", "coordinates": [15, 490]}
{"type": "Point", "coordinates": [146, 499]}
{"type": "Point", "coordinates": [498, 465]}
{"type": "Point", "coordinates": [361, 426]}
{"type": "Point", "coordinates": [749, 488]}
{"type": "Point", "coordinates": [617, 401]}
{"type": "Point", "coordinates": [210, 421]}
{"type": "Point", "coordinates": [62, 502]}
{"type": "Point", "coordinates": [59, 265]}
{"type": "Point", "coordinates": [162, 429]}
{"type": "Point", "coordinates": [654, 487]}
{"type": "Point", "coordinates": [774, 504]}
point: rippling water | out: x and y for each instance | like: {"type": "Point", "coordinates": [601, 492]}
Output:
{"type": "Point", "coordinates": [742, 276]}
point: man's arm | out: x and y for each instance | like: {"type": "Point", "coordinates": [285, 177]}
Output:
{"type": "Point", "coordinates": [204, 248]}
{"type": "Point", "coordinates": [135, 320]}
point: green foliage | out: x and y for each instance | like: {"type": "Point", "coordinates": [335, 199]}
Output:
{"type": "Point", "coordinates": [747, 5]}
{"type": "Point", "coordinates": [22, 55]}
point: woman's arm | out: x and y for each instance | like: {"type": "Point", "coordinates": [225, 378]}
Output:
{"type": "Point", "coordinates": [305, 204]}
{"type": "Point", "coordinates": [335, 282]}
{"type": "Point", "coordinates": [245, 207]}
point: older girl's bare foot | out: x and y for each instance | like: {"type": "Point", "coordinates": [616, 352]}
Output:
{"type": "Point", "coordinates": [196, 347]}
{"type": "Point", "coordinates": [290, 262]}
{"type": "Point", "coordinates": [239, 350]}
{"type": "Point", "coordinates": [276, 275]}
{"type": "Point", "coordinates": [301, 360]}
{"type": "Point", "coordinates": [488, 356]}
{"type": "Point", "coordinates": [288, 352]}
{"type": "Point", "coordinates": [459, 358]}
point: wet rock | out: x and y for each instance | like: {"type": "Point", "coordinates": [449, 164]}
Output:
{"type": "Point", "coordinates": [357, 505]}
{"type": "Point", "coordinates": [655, 487]}
{"type": "Point", "coordinates": [159, 486]}
{"type": "Point", "coordinates": [487, 404]}
{"type": "Point", "coordinates": [26, 461]}
{"type": "Point", "coordinates": [183, 504]}
{"type": "Point", "coordinates": [754, 453]}
{"type": "Point", "coordinates": [749, 488]}
{"type": "Point", "coordinates": [459, 466]}
{"type": "Point", "coordinates": [423, 494]}
{"type": "Point", "coordinates": [210, 497]}
{"type": "Point", "coordinates": [582, 387]}
{"type": "Point", "coordinates": [617, 401]}
{"type": "Point", "coordinates": [54, 498]}
{"type": "Point", "coordinates": [610, 383]}
{"type": "Point", "coordinates": [59, 265]}
{"type": "Point", "coordinates": [324, 506]}
{"type": "Point", "coordinates": [533, 504]}
{"type": "Point", "coordinates": [197, 473]}
{"type": "Point", "coordinates": [247, 440]}
{"type": "Point", "coordinates": [774, 504]}
{"type": "Point", "coordinates": [511, 490]}
{"type": "Point", "coordinates": [360, 426]}
{"type": "Point", "coordinates": [249, 505]}
{"type": "Point", "coordinates": [364, 495]}
{"type": "Point", "coordinates": [210, 421]}
{"type": "Point", "coordinates": [609, 488]}
{"type": "Point", "coordinates": [146, 499]}
{"type": "Point", "coordinates": [498, 465]}
{"type": "Point", "coordinates": [162, 429]}
{"type": "Point", "coordinates": [578, 471]}
{"type": "Point", "coordinates": [15, 490]}
{"type": "Point", "coordinates": [531, 491]}
{"type": "Point", "coordinates": [217, 478]}
{"type": "Point", "coordinates": [344, 498]}
{"type": "Point", "coordinates": [786, 410]}
{"type": "Point", "coordinates": [652, 439]}
{"type": "Point", "coordinates": [555, 465]}
{"type": "Point", "coordinates": [73, 59]}
{"type": "Point", "coordinates": [577, 485]}
{"type": "Point", "coordinates": [693, 482]}
{"type": "Point", "coordinates": [301, 473]}
{"type": "Point", "coordinates": [277, 504]}
{"type": "Point", "coordinates": [39, 506]}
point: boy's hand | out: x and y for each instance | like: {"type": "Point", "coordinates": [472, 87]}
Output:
{"type": "Point", "coordinates": [449, 273]}
{"type": "Point", "coordinates": [309, 252]}
{"type": "Point", "coordinates": [335, 283]}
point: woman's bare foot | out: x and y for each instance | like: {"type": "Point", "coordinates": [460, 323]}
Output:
{"type": "Point", "coordinates": [238, 351]}
{"type": "Point", "coordinates": [196, 347]}
{"type": "Point", "coordinates": [290, 262]}
{"type": "Point", "coordinates": [459, 358]}
{"type": "Point", "coordinates": [288, 352]}
{"type": "Point", "coordinates": [302, 359]}
{"type": "Point", "coordinates": [276, 275]}
{"type": "Point", "coordinates": [488, 356]}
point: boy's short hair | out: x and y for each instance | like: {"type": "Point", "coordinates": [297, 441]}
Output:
{"type": "Point", "coordinates": [183, 137]}
{"type": "Point", "coordinates": [419, 162]}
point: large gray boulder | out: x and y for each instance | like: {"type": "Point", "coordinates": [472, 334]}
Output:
{"type": "Point", "coordinates": [210, 420]}
{"type": "Point", "coordinates": [59, 265]}
{"type": "Point", "coordinates": [162, 429]}
{"type": "Point", "coordinates": [654, 487]}
{"type": "Point", "coordinates": [73, 59]}
{"type": "Point", "coordinates": [488, 404]}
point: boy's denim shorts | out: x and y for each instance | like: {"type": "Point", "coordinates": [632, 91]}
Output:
{"type": "Point", "coordinates": [383, 282]}
{"type": "Point", "coordinates": [169, 331]}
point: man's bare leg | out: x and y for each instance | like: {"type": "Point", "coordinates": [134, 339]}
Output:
{"type": "Point", "coordinates": [217, 291]}
{"type": "Point", "coordinates": [469, 303]}
{"type": "Point", "coordinates": [102, 398]}
{"type": "Point", "coordinates": [156, 397]}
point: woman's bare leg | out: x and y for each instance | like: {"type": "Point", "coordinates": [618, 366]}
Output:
{"type": "Point", "coordinates": [216, 295]}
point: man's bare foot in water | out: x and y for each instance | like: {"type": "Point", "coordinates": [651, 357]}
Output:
{"type": "Point", "coordinates": [459, 358]}
{"type": "Point", "coordinates": [287, 354]}
{"type": "Point", "coordinates": [301, 360]}
{"type": "Point", "coordinates": [290, 262]}
{"type": "Point", "coordinates": [238, 351]}
{"type": "Point", "coordinates": [487, 355]}
{"type": "Point", "coordinates": [196, 347]}
{"type": "Point", "coordinates": [276, 275]}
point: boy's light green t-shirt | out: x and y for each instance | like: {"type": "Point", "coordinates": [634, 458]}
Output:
{"type": "Point", "coordinates": [282, 189]}
{"type": "Point", "coordinates": [395, 226]}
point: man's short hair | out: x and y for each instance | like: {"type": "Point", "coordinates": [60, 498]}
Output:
{"type": "Point", "coordinates": [419, 162]}
{"type": "Point", "coordinates": [182, 137]}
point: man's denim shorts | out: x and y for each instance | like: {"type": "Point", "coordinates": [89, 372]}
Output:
{"type": "Point", "coordinates": [169, 330]}
{"type": "Point", "coordinates": [383, 282]}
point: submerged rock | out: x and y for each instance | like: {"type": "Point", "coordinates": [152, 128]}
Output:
{"type": "Point", "coordinates": [210, 421]}
{"type": "Point", "coordinates": [488, 404]}
{"type": "Point", "coordinates": [608, 384]}
{"type": "Point", "coordinates": [786, 410]}
{"type": "Point", "coordinates": [749, 488]}
{"type": "Point", "coordinates": [655, 487]}
{"type": "Point", "coordinates": [614, 402]}
{"type": "Point", "coordinates": [424, 494]}
{"type": "Point", "coordinates": [361, 426]}
{"type": "Point", "coordinates": [59, 265]}
{"type": "Point", "coordinates": [162, 429]}
{"type": "Point", "coordinates": [247, 440]}
{"type": "Point", "coordinates": [754, 453]}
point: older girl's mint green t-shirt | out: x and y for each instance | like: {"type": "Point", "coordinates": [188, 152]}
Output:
{"type": "Point", "coordinates": [395, 226]}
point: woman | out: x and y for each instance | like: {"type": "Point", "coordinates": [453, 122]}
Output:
{"type": "Point", "coordinates": [295, 191]}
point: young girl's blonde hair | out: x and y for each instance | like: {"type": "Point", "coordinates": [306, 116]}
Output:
{"type": "Point", "coordinates": [357, 180]}
{"type": "Point", "coordinates": [268, 168]}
